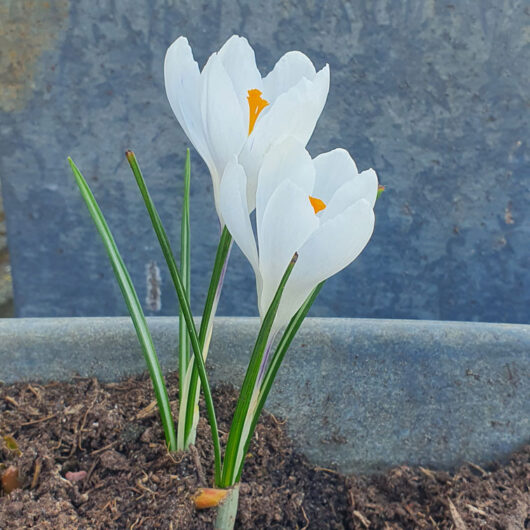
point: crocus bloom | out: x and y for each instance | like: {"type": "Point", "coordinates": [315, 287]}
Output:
{"type": "Point", "coordinates": [321, 208]}
{"type": "Point", "coordinates": [229, 109]}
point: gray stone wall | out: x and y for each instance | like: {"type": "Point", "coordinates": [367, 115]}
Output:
{"type": "Point", "coordinates": [433, 95]}
{"type": "Point", "coordinates": [6, 292]}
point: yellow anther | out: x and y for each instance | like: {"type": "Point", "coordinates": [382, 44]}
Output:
{"type": "Point", "coordinates": [317, 204]}
{"type": "Point", "coordinates": [255, 105]}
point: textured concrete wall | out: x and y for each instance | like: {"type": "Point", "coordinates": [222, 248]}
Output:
{"type": "Point", "coordinates": [6, 292]}
{"type": "Point", "coordinates": [433, 95]}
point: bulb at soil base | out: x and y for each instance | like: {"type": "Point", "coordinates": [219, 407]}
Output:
{"type": "Point", "coordinates": [227, 510]}
{"type": "Point", "coordinates": [226, 501]}
{"type": "Point", "coordinates": [209, 497]}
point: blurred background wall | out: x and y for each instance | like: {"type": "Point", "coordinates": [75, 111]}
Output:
{"type": "Point", "coordinates": [6, 291]}
{"type": "Point", "coordinates": [432, 94]}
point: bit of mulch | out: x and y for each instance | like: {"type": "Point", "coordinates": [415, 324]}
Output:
{"type": "Point", "coordinates": [90, 455]}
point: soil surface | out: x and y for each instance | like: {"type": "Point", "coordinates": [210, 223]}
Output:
{"type": "Point", "coordinates": [91, 455]}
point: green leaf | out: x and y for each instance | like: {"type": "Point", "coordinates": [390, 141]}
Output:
{"type": "Point", "coordinates": [133, 305]}
{"type": "Point", "coordinates": [185, 258]}
{"type": "Point", "coordinates": [184, 305]}
{"type": "Point", "coordinates": [219, 268]}
{"type": "Point", "coordinates": [184, 342]}
{"type": "Point", "coordinates": [248, 395]}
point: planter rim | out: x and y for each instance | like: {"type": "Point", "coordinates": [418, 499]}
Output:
{"type": "Point", "coordinates": [359, 394]}
{"type": "Point", "coordinates": [20, 321]}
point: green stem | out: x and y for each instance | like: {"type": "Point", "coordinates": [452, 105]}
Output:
{"type": "Point", "coordinates": [248, 392]}
{"type": "Point", "coordinates": [134, 307]}
{"type": "Point", "coordinates": [184, 305]}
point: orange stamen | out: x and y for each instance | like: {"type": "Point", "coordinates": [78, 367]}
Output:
{"type": "Point", "coordinates": [255, 104]}
{"type": "Point", "coordinates": [317, 204]}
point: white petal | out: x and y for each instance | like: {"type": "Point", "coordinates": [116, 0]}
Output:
{"type": "Point", "coordinates": [337, 242]}
{"type": "Point", "coordinates": [333, 169]}
{"type": "Point", "coordinates": [368, 185]}
{"type": "Point", "coordinates": [287, 72]}
{"type": "Point", "coordinates": [287, 222]}
{"type": "Point", "coordinates": [224, 125]}
{"type": "Point", "coordinates": [294, 113]}
{"type": "Point", "coordinates": [234, 210]}
{"type": "Point", "coordinates": [362, 186]}
{"type": "Point", "coordinates": [294, 295]}
{"type": "Point", "coordinates": [287, 160]}
{"type": "Point", "coordinates": [239, 62]}
{"type": "Point", "coordinates": [327, 251]}
{"type": "Point", "coordinates": [183, 88]}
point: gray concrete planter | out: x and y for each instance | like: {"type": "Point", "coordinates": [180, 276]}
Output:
{"type": "Point", "coordinates": [416, 392]}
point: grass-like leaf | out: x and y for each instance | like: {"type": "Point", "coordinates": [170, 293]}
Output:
{"type": "Point", "coordinates": [184, 341]}
{"type": "Point", "coordinates": [184, 305]}
{"type": "Point", "coordinates": [134, 306]}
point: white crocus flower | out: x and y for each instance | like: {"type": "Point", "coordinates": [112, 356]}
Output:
{"type": "Point", "coordinates": [321, 208]}
{"type": "Point", "coordinates": [229, 109]}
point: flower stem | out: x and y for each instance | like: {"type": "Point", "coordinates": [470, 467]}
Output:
{"type": "Point", "coordinates": [247, 401]}
{"type": "Point", "coordinates": [274, 365]}
{"type": "Point", "coordinates": [265, 360]}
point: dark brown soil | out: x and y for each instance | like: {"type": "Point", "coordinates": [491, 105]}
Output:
{"type": "Point", "coordinates": [92, 457]}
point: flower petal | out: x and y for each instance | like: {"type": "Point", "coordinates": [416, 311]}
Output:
{"type": "Point", "coordinates": [333, 169]}
{"type": "Point", "coordinates": [183, 88]}
{"type": "Point", "coordinates": [337, 242]}
{"type": "Point", "coordinates": [368, 185]}
{"type": "Point", "coordinates": [362, 186]}
{"type": "Point", "coordinates": [287, 222]}
{"type": "Point", "coordinates": [223, 121]}
{"type": "Point", "coordinates": [239, 62]}
{"type": "Point", "coordinates": [294, 113]}
{"type": "Point", "coordinates": [287, 160]}
{"type": "Point", "coordinates": [234, 211]}
{"type": "Point", "coordinates": [329, 249]}
{"type": "Point", "coordinates": [287, 72]}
